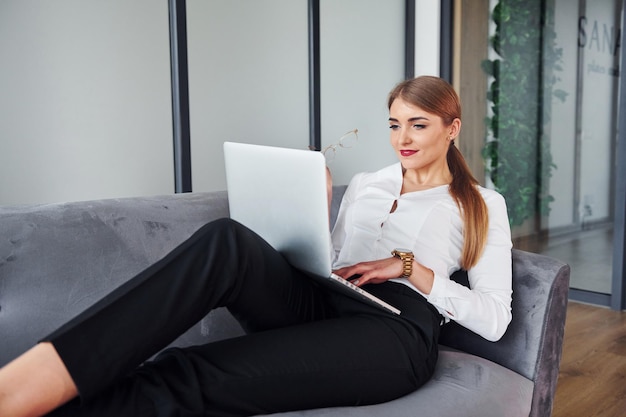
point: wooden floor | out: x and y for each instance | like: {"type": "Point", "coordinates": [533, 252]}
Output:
{"type": "Point", "coordinates": [588, 252]}
{"type": "Point", "coordinates": [592, 378]}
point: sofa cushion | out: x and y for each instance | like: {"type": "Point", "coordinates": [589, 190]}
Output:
{"type": "Point", "coordinates": [463, 385]}
{"type": "Point", "coordinates": [58, 259]}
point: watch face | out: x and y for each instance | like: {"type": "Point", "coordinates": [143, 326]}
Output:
{"type": "Point", "coordinates": [401, 250]}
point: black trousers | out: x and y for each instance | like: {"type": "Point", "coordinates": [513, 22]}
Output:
{"type": "Point", "coordinates": [306, 346]}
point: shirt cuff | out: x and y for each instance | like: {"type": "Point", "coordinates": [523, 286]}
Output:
{"type": "Point", "coordinates": [437, 296]}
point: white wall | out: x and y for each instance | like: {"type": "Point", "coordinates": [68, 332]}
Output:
{"type": "Point", "coordinates": [563, 117]}
{"type": "Point", "coordinates": [427, 37]}
{"type": "Point", "coordinates": [598, 108]}
{"type": "Point", "coordinates": [248, 79]}
{"type": "Point", "coordinates": [362, 58]}
{"type": "Point", "coordinates": [85, 108]}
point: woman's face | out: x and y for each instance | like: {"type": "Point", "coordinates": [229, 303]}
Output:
{"type": "Point", "coordinates": [420, 139]}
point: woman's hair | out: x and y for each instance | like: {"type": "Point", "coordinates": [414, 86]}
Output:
{"type": "Point", "coordinates": [436, 96]}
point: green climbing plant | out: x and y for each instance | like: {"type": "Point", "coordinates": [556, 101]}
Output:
{"type": "Point", "coordinates": [517, 153]}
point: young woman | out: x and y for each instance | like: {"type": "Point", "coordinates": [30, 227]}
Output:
{"type": "Point", "coordinates": [402, 231]}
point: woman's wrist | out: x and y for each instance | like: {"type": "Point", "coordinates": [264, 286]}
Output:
{"type": "Point", "coordinates": [422, 278]}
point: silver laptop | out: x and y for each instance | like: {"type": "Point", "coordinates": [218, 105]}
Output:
{"type": "Point", "coordinates": [280, 194]}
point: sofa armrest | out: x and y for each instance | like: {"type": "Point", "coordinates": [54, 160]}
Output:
{"type": "Point", "coordinates": [338, 192]}
{"type": "Point", "coordinates": [532, 345]}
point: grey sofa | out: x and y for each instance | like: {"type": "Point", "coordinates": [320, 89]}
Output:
{"type": "Point", "coordinates": [56, 260]}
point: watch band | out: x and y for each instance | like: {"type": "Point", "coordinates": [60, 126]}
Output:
{"type": "Point", "coordinates": [407, 260]}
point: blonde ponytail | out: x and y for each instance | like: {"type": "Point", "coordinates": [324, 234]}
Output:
{"type": "Point", "coordinates": [472, 207]}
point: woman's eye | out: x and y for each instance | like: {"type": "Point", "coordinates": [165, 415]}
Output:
{"type": "Point", "coordinates": [393, 127]}
{"type": "Point", "coordinates": [419, 126]}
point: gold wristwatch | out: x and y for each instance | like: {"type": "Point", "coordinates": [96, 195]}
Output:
{"type": "Point", "coordinates": [407, 260]}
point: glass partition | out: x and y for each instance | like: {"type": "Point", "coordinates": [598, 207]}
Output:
{"type": "Point", "coordinates": [552, 75]}
{"type": "Point", "coordinates": [248, 79]}
{"type": "Point", "coordinates": [589, 78]}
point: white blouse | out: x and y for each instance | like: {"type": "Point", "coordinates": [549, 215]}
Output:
{"type": "Point", "coordinates": [429, 223]}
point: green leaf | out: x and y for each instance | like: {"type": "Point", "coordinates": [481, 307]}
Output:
{"type": "Point", "coordinates": [487, 66]}
{"type": "Point", "coordinates": [518, 159]}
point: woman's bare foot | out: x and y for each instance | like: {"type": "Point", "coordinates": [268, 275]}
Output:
{"type": "Point", "coordinates": [35, 383]}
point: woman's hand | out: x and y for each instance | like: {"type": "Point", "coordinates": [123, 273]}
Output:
{"type": "Point", "coordinates": [373, 272]}
{"type": "Point", "coordinates": [377, 272]}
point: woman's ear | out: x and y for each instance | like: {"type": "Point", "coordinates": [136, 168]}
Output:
{"type": "Point", "coordinates": [455, 128]}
